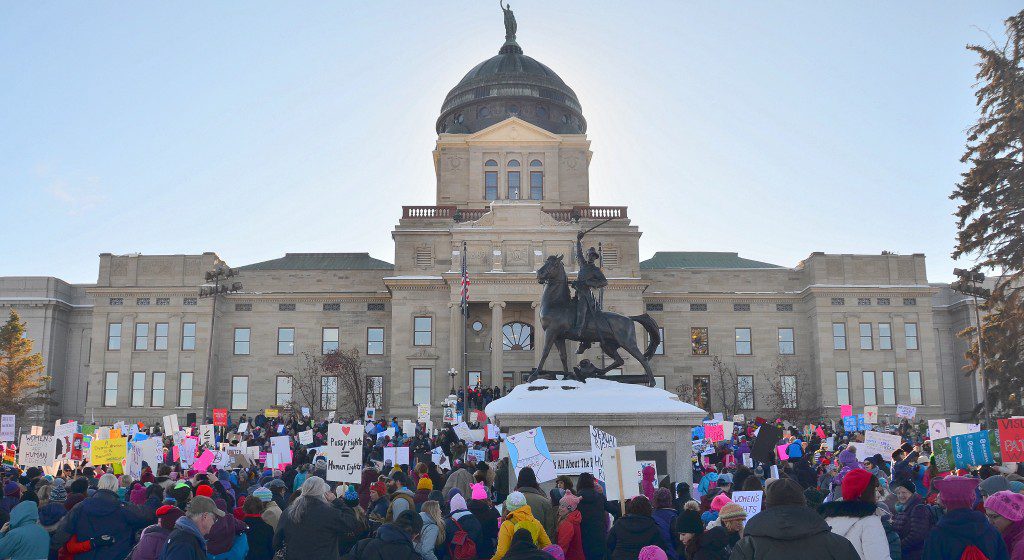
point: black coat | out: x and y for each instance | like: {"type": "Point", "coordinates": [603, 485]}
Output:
{"type": "Point", "coordinates": [261, 538]}
{"type": "Point", "coordinates": [788, 533]}
{"type": "Point", "coordinates": [489, 524]}
{"type": "Point", "coordinates": [318, 534]}
{"type": "Point", "coordinates": [714, 545]}
{"type": "Point", "coordinates": [391, 543]}
{"type": "Point", "coordinates": [103, 514]}
{"type": "Point", "coordinates": [630, 534]}
{"type": "Point", "coordinates": [593, 524]}
{"type": "Point", "coordinates": [471, 525]}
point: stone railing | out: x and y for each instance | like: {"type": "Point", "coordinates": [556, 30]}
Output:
{"type": "Point", "coordinates": [472, 214]}
{"type": "Point", "coordinates": [427, 212]}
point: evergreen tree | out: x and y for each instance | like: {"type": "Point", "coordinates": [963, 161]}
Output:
{"type": "Point", "coordinates": [990, 217]}
{"type": "Point", "coordinates": [22, 383]}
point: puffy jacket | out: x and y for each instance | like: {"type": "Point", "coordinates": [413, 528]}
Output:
{"type": "Point", "coordinates": [489, 520]}
{"type": "Point", "coordinates": [959, 528]}
{"type": "Point", "coordinates": [317, 534]}
{"type": "Point", "coordinates": [593, 523]}
{"type": "Point", "coordinates": [391, 543]}
{"type": "Point", "coordinates": [25, 538]}
{"type": "Point", "coordinates": [788, 533]}
{"type": "Point", "coordinates": [428, 538]}
{"type": "Point", "coordinates": [261, 538]}
{"type": "Point", "coordinates": [632, 532]}
{"type": "Point", "coordinates": [238, 551]}
{"type": "Point", "coordinates": [471, 525]}
{"type": "Point", "coordinates": [665, 518]}
{"type": "Point", "coordinates": [185, 542]}
{"type": "Point", "coordinates": [913, 525]}
{"type": "Point", "coordinates": [570, 537]}
{"type": "Point", "coordinates": [272, 514]}
{"type": "Point", "coordinates": [858, 523]}
{"type": "Point", "coordinates": [103, 514]}
{"type": "Point", "coordinates": [151, 543]}
{"type": "Point", "coordinates": [540, 505]}
{"type": "Point", "coordinates": [521, 518]}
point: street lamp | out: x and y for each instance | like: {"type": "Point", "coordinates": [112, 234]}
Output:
{"type": "Point", "coordinates": [452, 372]}
{"type": "Point", "coordinates": [215, 277]}
{"type": "Point", "coordinates": [969, 283]}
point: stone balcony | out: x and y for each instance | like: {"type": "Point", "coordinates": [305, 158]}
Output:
{"type": "Point", "coordinates": [452, 212]}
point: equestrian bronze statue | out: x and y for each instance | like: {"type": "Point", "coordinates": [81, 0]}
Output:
{"type": "Point", "coordinates": [579, 318]}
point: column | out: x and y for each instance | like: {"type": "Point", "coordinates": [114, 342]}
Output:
{"type": "Point", "coordinates": [455, 336]}
{"type": "Point", "coordinates": [497, 354]}
{"type": "Point", "coordinates": [538, 333]}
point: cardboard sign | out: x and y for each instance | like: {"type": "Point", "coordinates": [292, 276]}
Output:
{"type": "Point", "coordinates": [845, 410]}
{"type": "Point", "coordinates": [750, 501]}
{"type": "Point", "coordinates": [438, 457]}
{"type": "Point", "coordinates": [36, 450]}
{"type": "Point", "coordinates": [423, 412]}
{"type": "Point", "coordinates": [109, 451]}
{"type": "Point", "coordinates": [620, 460]}
{"type": "Point", "coordinates": [530, 449]}
{"type": "Point", "coordinates": [906, 411]}
{"type": "Point", "coordinates": [220, 417]}
{"type": "Point", "coordinates": [7, 432]}
{"type": "Point", "coordinates": [937, 429]}
{"type": "Point", "coordinates": [397, 455]}
{"type": "Point", "coordinates": [871, 414]}
{"type": "Point", "coordinates": [599, 441]}
{"type": "Point", "coordinates": [573, 463]}
{"type": "Point", "coordinates": [1011, 439]}
{"type": "Point", "coordinates": [344, 452]}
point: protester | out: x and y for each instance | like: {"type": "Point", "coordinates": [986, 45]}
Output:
{"type": "Point", "coordinates": [461, 520]}
{"type": "Point", "coordinates": [855, 516]}
{"type": "Point", "coordinates": [593, 517]}
{"type": "Point", "coordinates": [312, 527]}
{"type": "Point", "coordinates": [423, 489]}
{"type": "Point", "coordinates": [260, 534]}
{"type": "Point", "coordinates": [633, 531]}
{"type": "Point", "coordinates": [488, 518]}
{"type": "Point", "coordinates": [961, 526]}
{"type": "Point", "coordinates": [569, 535]}
{"type": "Point", "coordinates": [102, 520]}
{"type": "Point", "coordinates": [154, 538]}
{"type": "Point", "coordinates": [539, 504]}
{"type": "Point", "coordinates": [432, 535]}
{"type": "Point", "coordinates": [22, 538]}
{"type": "Point", "coordinates": [188, 539]}
{"type": "Point", "coordinates": [519, 516]}
{"type": "Point", "coordinates": [665, 516]}
{"type": "Point", "coordinates": [394, 540]}
{"type": "Point", "coordinates": [912, 520]}
{"type": "Point", "coordinates": [523, 547]}
{"type": "Point", "coordinates": [1005, 510]}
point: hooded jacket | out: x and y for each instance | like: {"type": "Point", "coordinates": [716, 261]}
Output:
{"type": "Point", "coordinates": [540, 505]}
{"type": "Point", "coordinates": [858, 523]}
{"type": "Point", "coordinates": [103, 514]}
{"type": "Point", "coordinates": [959, 528]}
{"type": "Point", "coordinates": [569, 536]}
{"type": "Point", "coordinates": [521, 518]}
{"type": "Point", "coordinates": [151, 543]}
{"type": "Point", "coordinates": [522, 548]}
{"type": "Point", "coordinates": [317, 534]}
{"type": "Point", "coordinates": [25, 539]}
{"type": "Point", "coordinates": [632, 532]}
{"type": "Point", "coordinates": [489, 520]}
{"type": "Point", "coordinates": [391, 543]}
{"type": "Point", "coordinates": [789, 532]}
{"type": "Point", "coordinates": [260, 536]}
{"type": "Point", "coordinates": [665, 518]}
{"type": "Point", "coordinates": [471, 525]}
{"type": "Point", "coordinates": [185, 542]}
{"type": "Point", "coordinates": [714, 545]}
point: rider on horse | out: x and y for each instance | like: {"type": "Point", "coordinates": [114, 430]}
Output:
{"type": "Point", "coordinates": [589, 277]}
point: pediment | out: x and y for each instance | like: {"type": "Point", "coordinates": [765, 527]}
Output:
{"type": "Point", "coordinates": [514, 130]}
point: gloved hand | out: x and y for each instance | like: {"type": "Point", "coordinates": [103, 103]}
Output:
{"type": "Point", "coordinates": [102, 541]}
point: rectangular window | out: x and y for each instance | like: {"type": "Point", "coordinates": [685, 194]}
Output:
{"type": "Point", "coordinates": [420, 386]}
{"type": "Point", "coordinates": [702, 391]}
{"type": "Point", "coordinates": [188, 336]}
{"type": "Point", "coordinates": [138, 388]}
{"type": "Point", "coordinates": [474, 378]}
{"type": "Point", "coordinates": [660, 350]}
{"type": "Point", "coordinates": [160, 342]}
{"type": "Point", "coordinates": [286, 341]}
{"type": "Point", "coordinates": [788, 386]}
{"type": "Point", "coordinates": [659, 382]}
{"type": "Point", "coordinates": [698, 307]}
{"type": "Point", "coordinates": [843, 387]}
{"type": "Point", "coordinates": [185, 389]}
{"type": "Point", "coordinates": [330, 339]}
{"type": "Point", "coordinates": [888, 388]}
{"type": "Point", "coordinates": [142, 336]}
{"type": "Point", "coordinates": [114, 336]}
{"type": "Point", "coordinates": [283, 391]}
{"type": "Point", "coordinates": [422, 335]}
{"type": "Point", "coordinates": [110, 389]}
{"type": "Point", "coordinates": [745, 389]}
{"type": "Point", "coordinates": [787, 346]}
{"type": "Point", "coordinates": [375, 341]}
{"type": "Point", "coordinates": [910, 332]}
{"type": "Point", "coordinates": [870, 397]}
{"type": "Point", "coordinates": [865, 336]}
{"type": "Point", "coordinates": [916, 395]}
{"type": "Point", "coordinates": [239, 392]}
{"type": "Point", "coordinates": [699, 341]}
{"type": "Point", "coordinates": [743, 342]}
{"type": "Point", "coordinates": [513, 185]}
{"type": "Point", "coordinates": [537, 185]}
{"type": "Point", "coordinates": [242, 338]}
{"type": "Point", "coordinates": [375, 391]}
{"type": "Point", "coordinates": [328, 392]}
{"type": "Point", "coordinates": [490, 185]}
{"type": "Point", "coordinates": [884, 336]}
{"type": "Point", "coordinates": [839, 336]}
{"type": "Point", "coordinates": [157, 396]}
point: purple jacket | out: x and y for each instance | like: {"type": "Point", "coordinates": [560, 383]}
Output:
{"type": "Point", "coordinates": [151, 543]}
{"type": "Point", "coordinates": [847, 461]}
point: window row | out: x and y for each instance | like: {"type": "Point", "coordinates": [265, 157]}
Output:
{"type": "Point", "coordinates": [157, 389]}
{"type": "Point", "coordinates": [744, 399]}
{"type": "Point", "coordinates": [867, 333]}
{"type": "Point", "coordinates": [144, 301]}
{"type": "Point", "coordinates": [513, 181]}
{"type": "Point", "coordinates": [700, 346]}
{"type": "Point", "coordinates": [870, 388]}
{"type": "Point", "coordinates": [160, 333]}
{"type": "Point", "coordinates": [330, 341]}
{"type": "Point", "coordinates": [328, 392]}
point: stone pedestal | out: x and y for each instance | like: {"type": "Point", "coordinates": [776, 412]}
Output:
{"type": "Point", "coordinates": [653, 420]}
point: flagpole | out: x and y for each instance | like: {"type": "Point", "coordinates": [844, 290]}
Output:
{"type": "Point", "coordinates": [465, 315]}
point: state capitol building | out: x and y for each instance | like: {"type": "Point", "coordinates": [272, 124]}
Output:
{"type": "Point", "coordinates": [511, 162]}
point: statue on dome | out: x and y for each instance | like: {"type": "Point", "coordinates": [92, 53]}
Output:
{"type": "Point", "coordinates": [510, 21]}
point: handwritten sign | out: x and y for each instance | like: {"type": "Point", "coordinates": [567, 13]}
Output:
{"type": "Point", "coordinates": [960, 428]}
{"type": "Point", "coordinates": [878, 443]}
{"type": "Point", "coordinates": [109, 451]}
{"type": "Point", "coordinates": [7, 427]}
{"type": "Point", "coordinates": [715, 432]}
{"type": "Point", "coordinates": [906, 411]}
{"type": "Point", "coordinates": [220, 417]}
{"type": "Point", "coordinates": [36, 450]}
{"type": "Point", "coordinates": [306, 437]}
{"type": "Point", "coordinates": [170, 424]}
{"type": "Point", "coordinates": [423, 412]}
{"type": "Point", "coordinates": [937, 429]}
{"type": "Point", "coordinates": [750, 501]}
{"type": "Point", "coordinates": [1011, 439]}
{"type": "Point", "coordinates": [599, 441]}
{"type": "Point", "coordinates": [530, 449]}
{"type": "Point", "coordinates": [271, 412]}
{"type": "Point", "coordinates": [845, 410]}
{"type": "Point", "coordinates": [942, 450]}
{"type": "Point", "coordinates": [871, 414]}
{"type": "Point", "coordinates": [344, 452]}
{"type": "Point", "coordinates": [208, 435]}
{"type": "Point", "coordinates": [397, 455]}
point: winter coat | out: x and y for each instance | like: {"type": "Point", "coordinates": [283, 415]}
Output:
{"type": "Point", "coordinates": [648, 482]}
{"type": "Point", "coordinates": [959, 528]}
{"type": "Point", "coordinates": [420, 497]}
{"type": "Point", "coordinates": [103, 514]}
{"type": "Point", "coordinates": [913, 525]}
{"type": "Point", "coordinates": [462, 480]}
{"type": "Point", "coordinates": [570, 538]}
{"type": "Point", "coordinates": [317, 534]}
{"type": "Point", "coordinates": [707, 482]}
{"type": "Point", "coordinates": [428, 538]}
{"type": "Point", "coordinates": [521, 518]}
{"type": "Point", "coordinates": [632, 532]}
{"type": "Point", "coordinates": [860, 525]}
{"type": "Point", "coordinates": [847, 461]}
{"type": "Point", "coordinates": [272, 514]}
{"type": "Point", "coordinates": [51, 514]}
{"type": "Point", "coordinates": [1013, 536]}
{"type": "Point", "coordinates": [540, 504]}
{"type": "Point", "coordinates": [490, 520]}
{"type": "Point", "coordinates": [151, 544]}
{"type": "Point", "coordinates": [788, 533]}
{"type": "Point", "coordinates": [714, 545]}
{"type": "Point", "coordinates": [25, 538]}
{"type": "Point", "coordinates": [261, 538]}
{"type": "Point", "coordinates": [471, 525]}
{"type": "Point", "coordinates": [665, 519]}
{"type": "Point", "coordinates": [391, 543]}
{"type": "Point", "coordinates": [524, 549]}
{"type": "Point", "coordinates": [238, 551]}
{"type": "Point", "coordinates": [185, 542]}
{"type": "Point", "coordinates": [222, 537]}
{"type": "Point", "coordinates": [593, 523]}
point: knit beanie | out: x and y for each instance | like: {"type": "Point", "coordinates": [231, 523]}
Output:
{"type": "Point", "coordinates": [1007, 504]}
{"type": "Point", "coordinates": [993, 484]}
{"type": "Point", "coordinates": [457, 503]}
{"type": "Point", "coordinates": [555, 551]}
{"type": "Point", "coordinates": [652, 552]}
{"type": "Point", "coordinates": [351, 497]}
{"type": "Point", "coordinates": [12, 490]}
{"type": "Point", "coordinates": [58, 491]}
{"type": "Point", "coordinates": [1016, 486]}
{"type": "Point", "coordinates": [905, 483]}
{"type": "Point", "coordinates": [783, 492]}
{"type": "Point", "coordinates": [379, 488]}
{"type": "Point", "coordinates": [732, 511]}
{"type": "Point", "coordinates": [167, 516]}
{"type": "Point", "coordinates": [956, 492]}
{"type": "Point", "coordinates": [569, 502]}
{"type": "Point", "coordinates": [204, 490]}
{"type": "Point", "coordinates": [425, 484]}
{"type": "Point", "coordinates": [689, 522]}
{"type": "Point", "coordinates": [662, 498]}
{"type": "Point", "coordinates": [719, 501]}
{"type": "Point", "coordinates": [514, 501]}
{"type": "Point", "coordinates": [479, 492]}
{"type": "Point", "coordinates": [854, 484]}
{"type": "Point", "coordinates": [263, 495]}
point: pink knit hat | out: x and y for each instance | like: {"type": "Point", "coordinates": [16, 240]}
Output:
{"type": "Point", "coordinates": [570, 502]}
{"type": "Point", "coordinates": [479, 493]}
{"type": "Point", "coordinates": [651, 552]}
{"type": "Point", "coordinates": [719, 501]}
{"type": "Point", "coordinates": [1007, 504]}
{"type": "Point", "coordinates": [956, 492]}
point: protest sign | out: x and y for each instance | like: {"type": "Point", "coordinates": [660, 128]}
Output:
{"type": "Point", "coordinates": [937, 429]}
{"type": "Point", "coordinates": [739, 418]}
{"type": "Point", "coordinates": [306, 437]}
{"type": "Point", "coordinates": [697, 432]}
{"type": "Point", "coordinates": [370, 414]}
{"type": "Point", "coordinates": [819, 432]}
{"type": "Point", "coordinates": [448, 416]}
{"type": "Point", "coordinates": [279, 445]}
{"type": "Point", "coordinates": [462, 430]}
{"type": "Point", "coordinates": [1011, 439]}
{"type": "Point", "coordinates": [243, 427]}
{"type": "Point", "coordinates": [640, 471]}
{"type": "Point", "coordinates": [763, 449]}
{"type": "Point", "coordinates": [438, 457]}
{"type": "Point", "coordinates": [960, 428]}
{"type": "Point", "coordinates": [850, 423]}
{"type": "Point", "coordinates": [344, 452]}
{"type": "Point", "coordinates": [36, 430]}
{"type": "Point", "coordinates": [7, 427]}
{"type": "Point", "coordinates": [220, 417]}
{"type": "Point", "coordinates": [492, 432]}
{"type": "Point", "coordinates": [109, 451]}
{"type": "Point", "coordinates": [718, 417]}
{"type": "Point", "coordinates": [782, 451]}
{"type": "Point", "coordinates": [972, 450]}
{"type": "Point", "coordinates": [77, 443]}
{"type": "Point", "coordinates": [390, 432]}
{"type": "Point", "coordinates": [845, 410]}
{"type": "Point", "coordinates": [271, 412]}
{"type": "Point", "coordinates": [906, 411]}
{"type": "Point", "coordinates": [187, 452]}
{"type": "Point", "coordinates": [36, 450]}
{"type": "Point", "coordinates": [878, 443]}
{"type": "Point", "coordinates": [170, 424]}
{"type": "Point", "coordinates": [599, 441]}
{"type": "Point", "coordinates": [204, 461]}
{"type": "Point", "coordinates": [305, 411]}
{"type": "Point", "coordinates": [479, 454]}
{"type": "Point", "coordinates": [621, 464]}
{"type": "Point", "coordinates": [714, 433]}
{"type": "Point", "coordinates": [871, 414]}
{"type": "Point", "coordinates": [573, 463]}
{"type": "Point", "coordinates": [423, 412]}
{"type": "Point", "coordinates": [862, 423]}
{"type": "Point", "coordinates": [408, 427]}
{"type": "Point", "coordinates": [749, 500]}
{"type": "Point", "coordinates": [64, 435]}
{"type": "Point", "coordinates": [530, 449]}
{"type": "Point", "coordinates": [397, 455]}
{"type": "Point", "coordinates": [208, 435]}
{"type": "Point", "coordinates": [942, 452]}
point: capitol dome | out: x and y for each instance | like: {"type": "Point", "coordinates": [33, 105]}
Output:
{"type": "Point", "coordinates": [511, 84]}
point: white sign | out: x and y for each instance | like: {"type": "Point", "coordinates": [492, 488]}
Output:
{"type": "Point", "coordinates": [739, 418]}
{"type": "Point", "coordinates": [7, 427]}
{"type": "Point", "coordinates": [408, 427]}
{"type": "Point", "coordinates": [599, 441]}
{"type": "Point", "coordinates": [750, 501]}
{"type": "Point", "coordinates": [871, 415]}
{"type": "Point", "coordinates": [36, 430]}
{"type": "Point", "coordinates": [207, 436]}
{"type": "Point", "coordinates": [958, 428]}
{"type": "Point", "coordinates": [937, 429]}
{"type": "Point", "coordinates": [906, 411]}
{"type": "Point", "coordinates": [492, 432]}
{"type": "Point", "coordinates": [718, 417]}
{"type": "Point", "coordinates": [878, 443]}
{"type": "Point", "coordinates": [572, 463]}
{"type": "Point", "coordinates": [187, 453]}
{"type": "Point", "coordinates": [438, 457]}
{"type": "Point", "coordinates": [530, 449]}
{"type": "Point", "coordinates": [390, 432]}
{"type": "Point", "coordinates": [462, 430]}
{"type": "Point", "coordinates": [243, 427]}
{"type": "Point", "coordinates": [305, 411]}
{"type": "Point", "coordinates": [397, 455]}
{"type": "Point", "coordinates": [423, 412]}
{"type": "Point", "coordinates": [620, 460]}
{"type": "Point", "coordinates": [64, 436]}
{"type": "Point", "coordinates": [774, 471]}
{"type": "Point", "coordinates": [306, 437]}
{"type": "Point", "coordinates": [344, 452]}
{"type": "Point", "coordinates": [170, 424]}
{"type": "Point", "coordinates": [279, 445]}
{"type": "Point", "coordinates": [36, 450]}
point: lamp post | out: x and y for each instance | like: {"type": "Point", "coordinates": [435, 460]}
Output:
{"type": "Point", "coordinates": [453, 373]}
{"type": "Point", "coordinates": [969, 283]}
{"type": "Point", "coordinates": [215, 277]}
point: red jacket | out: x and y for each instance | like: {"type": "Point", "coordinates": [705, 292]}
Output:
{"type": "Point", "coordinates": [570, 538]}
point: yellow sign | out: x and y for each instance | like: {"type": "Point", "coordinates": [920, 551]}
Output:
{"type": "Point", "coordinates": [109, 451]}
{"type": "Point", "coordinates": [271, 413]}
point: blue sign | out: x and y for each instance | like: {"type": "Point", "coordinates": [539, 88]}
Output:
{"type": "Point", "coordinates": [861, 424]}
{"type": "Point", "coordinates": [972, 450]}
{"type": "Point", "coordinates": [698, 432]}
{"type": "Point", "coordinates": [850, 423]}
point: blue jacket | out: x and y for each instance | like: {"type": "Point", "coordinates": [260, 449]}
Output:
{"type": "Point", "coordinates": [239, 549]}
{"type": "Point", "coordinates": [103, 514]}
{"type": "Point", "coordinates": [25, 539]}
{"type": "Point", "coordinates": [185, 542]}
{"type": "Point", "coordinates": [705, 483]}
{"type": "Point", "coordinates": [959, 528]}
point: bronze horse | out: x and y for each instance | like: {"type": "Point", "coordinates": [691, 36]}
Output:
{"type": "Point", "coordinates": [610, 330]}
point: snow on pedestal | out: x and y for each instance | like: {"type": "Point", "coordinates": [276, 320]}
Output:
{"type": "Point", "coordinates": [599, 396]}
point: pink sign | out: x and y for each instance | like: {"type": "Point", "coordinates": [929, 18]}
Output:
{"type": "Point", "coordinates": [204, 461]}
{"type": "Point", "coordinates": [714, 432]}
{"type": "Point", "coordinates": [819, 431]}
{"type": "Point", "coordinates": [782, 451]}
{"type": "Point", "coordinates": [845, 410]}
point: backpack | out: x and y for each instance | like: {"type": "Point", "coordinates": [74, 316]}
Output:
{"type": "Point", "coordinates": [973, 553]}
{"type": "Point", "coordinates": [462, 547]}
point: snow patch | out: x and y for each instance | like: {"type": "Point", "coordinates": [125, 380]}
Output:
{"type": "Point", "coordinates": [593, 397]}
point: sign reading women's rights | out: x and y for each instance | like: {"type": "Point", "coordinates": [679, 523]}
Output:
{"type": "Point", "coordinates": [344, 452]}
{"type": "Point", "coordinates": [37, 451]}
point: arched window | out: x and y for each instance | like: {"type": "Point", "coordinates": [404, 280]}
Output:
{"type": "Point", "coordinates": [513, 163]}
{"type": "Point", "coordinates": [516, 336]}
{"type": "Point", "coordinates": [491, 163]}
{"type": "Point", "coordinates": [536, 163]}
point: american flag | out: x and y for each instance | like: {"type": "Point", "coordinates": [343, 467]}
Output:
{"type": "Point", "coordinates": [465, 283]}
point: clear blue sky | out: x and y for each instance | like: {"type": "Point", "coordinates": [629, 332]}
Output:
{"type": "Point", "coordinates": [255, 128]}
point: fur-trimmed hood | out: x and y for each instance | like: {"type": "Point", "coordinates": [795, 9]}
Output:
{"type": "Point", "coordinates": [847, 509]}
